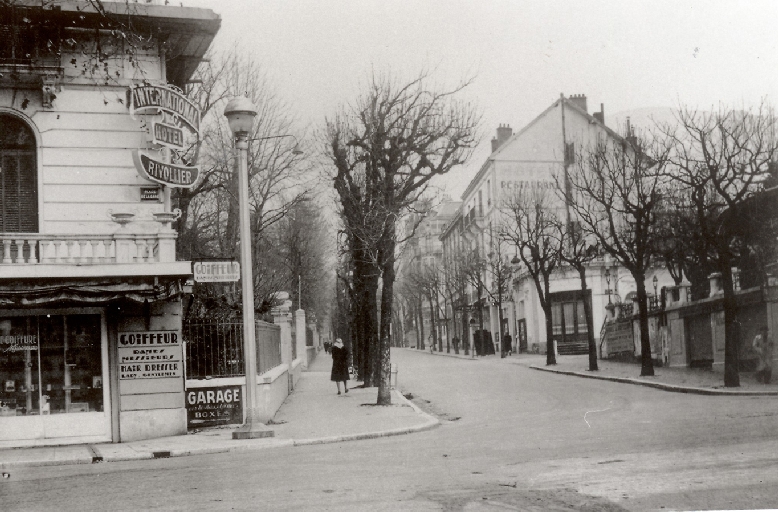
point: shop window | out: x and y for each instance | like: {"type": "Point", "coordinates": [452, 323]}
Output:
{"type": "Point", "coordinates": [556, 319]}
{"type": "Point", "coordinates": [569, 311]}
{"type": "Point", "coordinates": [50, 364]}
{"type": "Point", "coordinates": [18, 177]}
{"type": "Point", "coordinates": [581, 314]}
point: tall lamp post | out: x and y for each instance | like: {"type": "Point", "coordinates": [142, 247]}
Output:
{"type": "Point", "coordinates": [240, 113]}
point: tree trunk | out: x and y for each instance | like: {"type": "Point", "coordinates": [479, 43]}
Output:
{"type": "Point", "coordinates": [420, 332]}
{"type": "Point", "coordinates": [731, 334]}
{"type": "Point", "coordinates": [589, 321]}
{"type": "Point", "coordinates": [387, 292]}
{"type": "Point", "coordinates": [465, 330]}
{"type": "Point", "coordinates": [433, 323]}
{"type": "Point", "coordinates": [646, 363]}
{"type": "Point", "coordinates": [546, 305]}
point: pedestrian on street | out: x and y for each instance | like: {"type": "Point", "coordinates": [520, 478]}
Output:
{"type": "Point", "coordinates": [763, 346]}
{"type": "Point", "coordinates": [507, 342]}
{"type": "Point", "coordinates": [339, 364]}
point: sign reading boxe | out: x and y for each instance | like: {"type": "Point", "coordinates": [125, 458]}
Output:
{"type": "Point", "coordinates": [150, 355]}
{"type": "Point", "coordinates": [207, 407]}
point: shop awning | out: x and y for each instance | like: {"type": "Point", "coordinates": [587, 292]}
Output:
{"type": "Point", "coordinates": [91, 292]}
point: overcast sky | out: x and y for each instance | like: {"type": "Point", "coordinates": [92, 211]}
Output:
{"type": "Point", "coordinates": [627, 55]}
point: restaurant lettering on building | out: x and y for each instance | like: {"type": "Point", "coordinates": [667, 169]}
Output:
{"type": "Point", "coordinates": [90, 289]}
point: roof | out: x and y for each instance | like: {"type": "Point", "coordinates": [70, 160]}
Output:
{"type": "Point", "coordinates": [186, 31]}
{"type": "Point", "coordinates": [575, 108]}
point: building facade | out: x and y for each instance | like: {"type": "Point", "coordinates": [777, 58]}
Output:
{"type": "Point", "coordinates": [90, 289]}
{"type": "Point", "coordinates": [534, 158]}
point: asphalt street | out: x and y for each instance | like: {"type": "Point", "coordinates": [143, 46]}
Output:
{"type": "Point", "coordinates": [511, 438]}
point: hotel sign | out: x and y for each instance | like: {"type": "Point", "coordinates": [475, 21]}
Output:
{"type": "Point", "coordinates": [167, 135]}
{"type": "Point", "coordinates": [216, 271]}
{"type": "Point", "coordinates": [177, 113]}
{"type": "Point", "coordinates": [171, 175]}
{"type": "Point", "coordinates": [150, 355]}
{"type": "Point", "coordinates": [166, 99]}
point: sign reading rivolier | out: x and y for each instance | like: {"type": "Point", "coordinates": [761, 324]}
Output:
{"type": "Point", "coordinates": [178, 176]}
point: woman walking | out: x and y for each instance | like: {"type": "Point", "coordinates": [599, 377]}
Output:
{"type": "Point", "coordinates": [339, 364]}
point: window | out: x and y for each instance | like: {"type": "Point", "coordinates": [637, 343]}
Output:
{"type": "Point", "coordinates": [18, 177]}
{"type": "Point", "coordinates": [50, 364]}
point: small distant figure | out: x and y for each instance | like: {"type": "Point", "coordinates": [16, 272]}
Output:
{"type": "Point", "coordinates": [339, 365]}
{"type": "Point", "coordinates": [327, 346]}
{"type": "Point", "coordinates": [763, 346]}
{"type": "Point", "coordinates": [507, 345]}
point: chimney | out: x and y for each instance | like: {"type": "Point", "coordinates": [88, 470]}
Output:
{"type": "Point", "coordinates": [504, 133]}
{"type": "Point", "coordinates": [580, 101]}
{"type": "Point", "coordinates": [600, 116]}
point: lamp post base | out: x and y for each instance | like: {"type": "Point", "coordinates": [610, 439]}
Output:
{"type": "Point", "coordinates": [253, 430]}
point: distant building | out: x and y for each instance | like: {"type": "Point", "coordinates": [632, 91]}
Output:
{"type": "Point", "coordinates": [531, 158]}
{"type": "Point", "coordinates": [90, 289]}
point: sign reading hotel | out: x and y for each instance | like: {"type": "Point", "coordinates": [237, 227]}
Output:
{"type": "Point", "coordinates": [176, 111]}
{"type": "Point", "coordinates": [216, 271]}
{"type": "Point", "coordinates": [150, 355]}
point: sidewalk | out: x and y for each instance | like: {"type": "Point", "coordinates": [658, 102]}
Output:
{"type": "Point", "coordinates": [312, 414]}
{"type": "Point", "coordinates": [681, 380]}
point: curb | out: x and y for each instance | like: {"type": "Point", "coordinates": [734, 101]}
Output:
{"type": "Point", "coordinates": [127, 453]}
{"type": "Point", "coordinates": [659, 385]}
{"type": "Point", "coordinates": [431, 422]}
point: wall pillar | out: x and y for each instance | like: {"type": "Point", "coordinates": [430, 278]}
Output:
{"type": "Point", "coordinates": [300, 335]}
{"type": "Point", "coordinates": [282, 317]}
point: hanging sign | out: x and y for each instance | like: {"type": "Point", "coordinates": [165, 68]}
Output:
{"type": "Point", "coordinates": [225, 271]}
{"type": "Point", "coordinates": [167, 99]}
{"type": "Point", "coordinates": [176, 112]}
{"type": "Point", "coordinates": [167, 135]}
{"type": "Point", "coordinates": [177, 176]}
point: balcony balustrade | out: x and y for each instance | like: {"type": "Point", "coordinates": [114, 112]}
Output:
{"type": "Point", "coordinates": [64, 249]}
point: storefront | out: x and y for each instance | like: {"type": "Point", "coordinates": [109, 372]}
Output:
{"type": "Point", "coordinates": [53, 365]}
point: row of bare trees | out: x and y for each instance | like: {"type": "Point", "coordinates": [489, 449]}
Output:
{"type": "Point", "coordinates": [680, 197]}
{"type": "Point", "coordinates": [290, 235]}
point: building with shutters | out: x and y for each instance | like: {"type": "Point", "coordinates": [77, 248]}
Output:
{"type": "Point", "coordinates": [90, 289]}
{"type": "Point", "coordinates": [530, 158]}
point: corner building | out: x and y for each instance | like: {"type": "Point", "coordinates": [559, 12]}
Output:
{"type": "Point", "coordinates": [88, 252]}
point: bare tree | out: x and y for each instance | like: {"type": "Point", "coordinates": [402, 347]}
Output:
{"type": "Point", "coordinates": [615, 195]}
{"type": "Point", "coordinates": [720, 159]}
{"type": "Point", "coordinates": [279, 178]}
{"type": "Point", "coordinates": [533, 225]}
{"type": "Point", "coordinates": [578, 250]}
{"type": "Point", "coordinates": [385, 150]}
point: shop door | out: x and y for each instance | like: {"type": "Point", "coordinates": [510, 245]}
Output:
{"type": "Point", "coordinates": [52, 373]}
{"type": "Point", "coordinates": [700, 336]}
{"type": "Point", "coordinates": [522, 331]}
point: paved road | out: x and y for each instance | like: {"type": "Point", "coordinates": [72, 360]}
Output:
{"type": "Point", "coordinates": [511, 438]}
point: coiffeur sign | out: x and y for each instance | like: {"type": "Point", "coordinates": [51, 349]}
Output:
{"type": "Point", "coordinates": [216, 271]}
{"type": "Point", "coordinates": [150, 355]}
{"type": "Point", "coordinates": [174, 108]}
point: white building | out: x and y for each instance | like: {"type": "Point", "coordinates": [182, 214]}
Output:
{"type": "Point", "coordinates": [531, 158]}
{"type": "Point", "coordinates": [90, 289]}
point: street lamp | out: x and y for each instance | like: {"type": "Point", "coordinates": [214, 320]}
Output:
{"type": "Point", "coordinates": [608, 282]}
{"type": "Point", "coordinates": [240, 113]}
